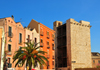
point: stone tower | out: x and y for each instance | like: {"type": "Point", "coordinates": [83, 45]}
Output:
{"type": "Point", "coordinates": [78, 46]}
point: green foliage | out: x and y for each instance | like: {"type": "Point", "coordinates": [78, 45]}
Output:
{"type": "Point", "coordinates": [98, 66]}
{"type": "Point", "coordinates": [31, 54]}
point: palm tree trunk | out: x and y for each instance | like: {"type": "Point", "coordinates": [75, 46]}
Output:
{"type": "Point", "coordinates": [30, 67]}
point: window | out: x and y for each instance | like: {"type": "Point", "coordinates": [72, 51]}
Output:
{"type": "Point", "coordinates": [8, 20]}
{"type": "Point", "coordinates": [20, 38]}
{"type": "Point", "coordinates": [53, 53]}
{"type": "Point", "coordinates": [41, 30]}
{"type": "Point", "coordinates": [47, 43]}
{"type": "Point", "coordinates": [9, 47]}
{"type": "Point", "coordinates": [48, 52]}
{"type": "Point", "coordinates": [11, 21]}
{"type": "Point", "coordinates": [47, 33]}
{"type": "Point", "coordinates": [53, 47]}
{"type": "Point", "coordinates": [52, 35]}
{"type": "Point", "coordinates": [35, 40]}
{"type": "Point", "coordinates": [52, 62]}
{"type": "Point", "coordinates": [10, 31]}
{"type": "Point", "coordinates": [28, 38]}
{"type": "Point", "coordinates": [93, 61]}
{"type": "Point", "coordinates": [98, 61]}
{"type": "Point", "coordinates": [41, 40]}
{"type": "Point", "coordinates": [59, 24]}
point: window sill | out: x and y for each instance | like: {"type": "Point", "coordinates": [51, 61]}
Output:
{"type": "Point", "coordinates": [9, 53]}
{"type": "Point", "coordinates": [20, 43]}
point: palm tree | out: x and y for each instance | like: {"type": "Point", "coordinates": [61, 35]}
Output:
{"type": "Point", "coordinates": [30, 54]}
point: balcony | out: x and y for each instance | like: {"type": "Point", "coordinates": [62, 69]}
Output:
{"type": "Point", "coordinates": [53, 48]}
{"type": "Point", "coordinates": [48, 36]}
{"type": "Point", "coordinates": [10, 34]}
{"type": "Point", "coordinates": [9, 53]}
{"type": "Point", "coordinates": [41, 33]}
{"type": "Point", "coordinates": [41, 44]}
{"type": "Point", "coordinates": [48, 56]}
{"type": "Point", "coordinates": [48, 47]}
{"type": "Point", "coordinates": [53, 67]}
{"type": "Point", "coordinates": [52, 39]}
{"type": "Point", "coordinates": [20, 42]}
{"type": "Point", "coordinates": [53, 57]}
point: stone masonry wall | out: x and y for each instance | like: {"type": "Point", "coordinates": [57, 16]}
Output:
{"type": "Point", "coordinates": [80, 44]}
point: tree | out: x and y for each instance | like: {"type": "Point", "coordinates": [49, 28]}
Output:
{"type": "Point", "coordinates": [31, 54]}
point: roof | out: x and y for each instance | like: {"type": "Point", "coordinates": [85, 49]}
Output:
{"type": "Point", "coordinates": [95, 54]}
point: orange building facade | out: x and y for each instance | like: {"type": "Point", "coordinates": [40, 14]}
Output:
{"type": "Point", "coordinates": [47, 41]}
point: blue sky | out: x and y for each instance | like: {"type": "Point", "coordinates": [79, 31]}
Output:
{"type": "Point", "coordinates": [48, 11]}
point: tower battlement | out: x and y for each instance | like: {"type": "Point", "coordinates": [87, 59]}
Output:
{"type": "Point", "coordinates": [81, 23]}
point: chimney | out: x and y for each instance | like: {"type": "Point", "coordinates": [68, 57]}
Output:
{"type": "Point", "coordinates": [12, 17]}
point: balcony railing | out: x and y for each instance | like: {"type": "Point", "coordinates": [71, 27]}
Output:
{"type": "Point", "coordinates": [48, 46]}
{"type": "Point", "coordinates": [9, 53]}
{"type": "Point", "coordinates": [48, 36]}
{"type": "Point", "coordinates": [41, 33]}
{"type": "Point", "coordinates": [52, 39]}
{"type": "Point", "coordinates": [53, 57]}
{"type": "Point", "coordinates": [48, 56]}
{"type": "Point", "coordinates": [20, 42]}
{"type": "Point", "coordinates": [10, 34]}
{"type": "Point", "coordinates": [53, 48]}
{"type": "Point", "coordinates": [53, 67]}
{"type": "Point", "coordinates": [41, 44]}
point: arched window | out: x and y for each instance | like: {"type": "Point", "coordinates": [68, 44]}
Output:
{"type": "Point", "coordinates": [59, 24]}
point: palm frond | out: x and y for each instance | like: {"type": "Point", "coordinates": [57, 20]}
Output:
{"type": "Point", "coordinates": [31, 54]}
